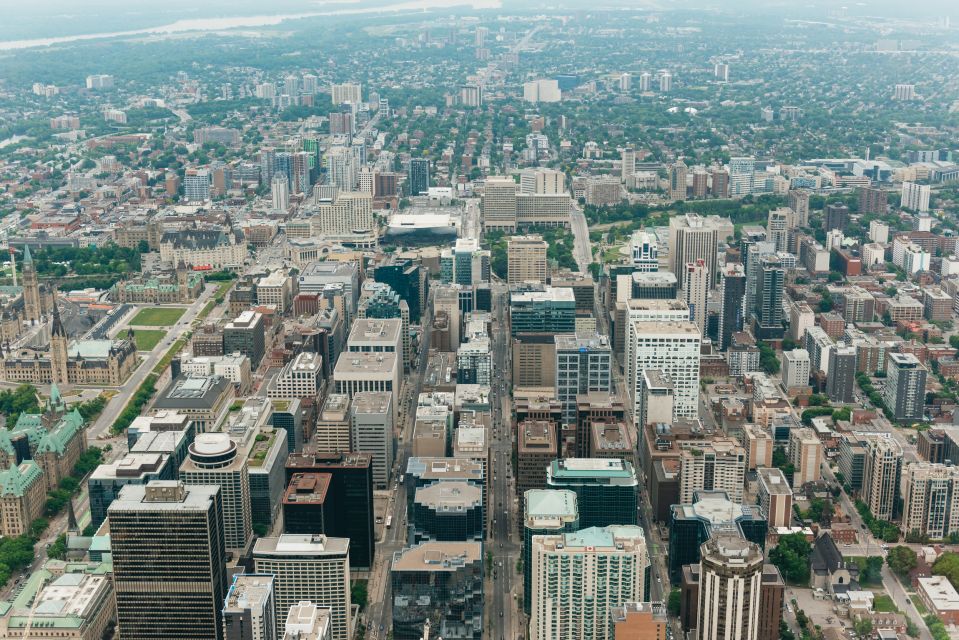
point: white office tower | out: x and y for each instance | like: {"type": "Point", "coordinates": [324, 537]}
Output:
{"type": "Point", "coordinates": [879, 232]}
{"type": "Point", "coordinates": [721, 71]}
{"type": "Point", "coordinates": [741, 175]}
{"type": "Point", "coordinates": [341, 169]}
{"type": "Point", "coordinates": [673, 348]}
{"type": "Point", "coordinates": [310, 84]}
{"type": "Point", "coordinates": [215, 459]}
{"type": "Point", "coordinates": [691, 238]}
{"type": "Point", "coordinates": [577, 578]}
{"type": "Point", "coordinates": [371, 431]}
{"type": "Point", "coordinates": [905, 92]}
{"type": "Point", "coordinates": [930, 499]}
{"type": "Point", "coordinates": [730, 582]}
{"type": "Point", "coordinates": [805, 454]}
{"type": "Point", "coordinates": [628, 164]}
{"type": "Point", "coordinates": [542, 91]}
{"type": "Point", "coordinates": [644, 251]}
{"type": "Point", "coordinates": [308, 567]}
{"type": "Point", "coordinates": [796, 368]}
{"type": "Point", "coordinates": [915, 196]}
{"type": "Point", "coordinates": [778, 223]}
{"type": "Point", "coordinates": [543, 181]}
{"type": "Point", "coordinates": [695, 290]}
{"type": "Point", "coordinates": [347, 92]}
{"type": "Point", "coordinates": [625, 82]}
{"type": "Point", "coordinates": [665, 82]}
{"type": "Point", "coordinates": [366, 180]}
{"type": "Point", "coordinates": [280, 190]}
{"type": "Point", "coordinates": [645, 81]}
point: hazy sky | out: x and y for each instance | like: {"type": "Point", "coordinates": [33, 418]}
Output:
{"type": "Point", "coordinates": [53, 18]}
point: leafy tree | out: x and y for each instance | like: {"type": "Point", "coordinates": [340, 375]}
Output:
{"type": "Point", "coordinates": [358, 593]}
{"type": "Point", "coordinates": [902, 560]}
{"type": "Point", "coordinates": [673, 603]}
{"type": "Point", "coordinates": [13, 402]}
{"type": "Point", "coordinates": [947, 565]}
{"type": "Point", "coordinates": [58, 550]}
{"type": "Point", "coordinates": [791, 556]}
{"type": "Point", "coordinates": [863, 627]}
{"type": "Point", "coordinates": [768, 361]}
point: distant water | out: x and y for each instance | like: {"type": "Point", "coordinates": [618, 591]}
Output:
{"type": "Point", "coordinates": [247, 22]}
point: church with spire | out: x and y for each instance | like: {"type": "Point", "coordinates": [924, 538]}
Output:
{"type": "Point", "coordinates": [88, 362]}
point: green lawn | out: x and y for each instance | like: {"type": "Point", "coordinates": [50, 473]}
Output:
{"type": "Point", "coordinates": [884, 604]}
{"type": "Point", "coordinates": [146, 339]}
{"type": "Point", "coordinates": [157, 317]}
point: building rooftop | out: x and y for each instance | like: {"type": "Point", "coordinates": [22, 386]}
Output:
{"type": "Point", "coordinates": [306, 488]}
{"type": "Point", "coordinates": [437, 556]}
{"type": "Point", "coordinates": [450, 495]}
{"type": "Point", "coordinates": [365, 363]}
{"type": "Point", "coordinates": [193, 392]}
{"type": "Point", "coordinates": [444, 469]}
{"type": "Point", "coordinates": [581, 342]}
{"type": "Point", "coordinates": [164, 495]}
{"type": "Point", "coordinates": [940, 593]}
{"type": "Point", "coordinates": [372, 402]}
{"type": "Point", "coordinates": [774, 480]}
{"type": "Point", "coordinates": [306, 621]}
{"type": "Point", "coordinates": [547, 294]}
{"type": "Point", "coordinates": [373, 330]}
{"type": "Point", "coordinates": [543, 505]}
{"type": "Point", "coordinates": [245, 320]}
{"type": "Point", "coordinates": [596, 538]}
{"type": "Point", "coordinates": [591, 467]}
{"type": "Point", "coordinates": [249, 591]}
{"type": "Point", "coordinates": [290, 544]}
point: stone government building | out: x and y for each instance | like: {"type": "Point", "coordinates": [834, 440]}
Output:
{"type": "Point", "coordinates": [84, 362]}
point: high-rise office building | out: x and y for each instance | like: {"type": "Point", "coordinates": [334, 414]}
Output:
{"type": "Point", "coordinates": [696, 279]}
{"type": "Point", "coordinates": [246, 334]}
{"type": "Point", "coordinates": [371, 429]}
{"type": "Point", "coordinates": [169, 576]}
{"type": "Point", "coordinates": [691, 238]}
{"type": "Point", "coordinates": [778, 223]}
{"type": "Point", "coordinates": [215, 459]}
{"type": "Point", "coordinates": [930, 497]}
{"type": "Point", "coordinates": [741, 175]}
{"type": "Point", "coordinates": [730, 581]}
{"type": "Point", "coordinates": [249, 612]}
{"type": "Point", "coordinates": [775, 497]}
{"type": "Point", "coordinates": [308, 567]}
{"type": "Point", "coordinates": [526, 259]}
{"type": "Point", "coordinates": [583, 365]}
{"type": "Point", "coordinates": [719, 465]}
{"type": "Point", "coordinates": [673, 348]}
{"type": "Point", "coordinates": [732, 296]}
{"type": "Point", "coordinates": [677, 180]}
{"type": "Point", "coordinates": [546, 512]}
{"type": "Point", "coordinates": [605, 488]}
{"type": "Point", "coordinates": [419, 176]}
{"type": "Point", "coordinates": [628, 163]}
{"type": "Point", "coordinates": [280, 191]}
{"type": "Point", "coordinates": [798, 201]}
{"type": "Point", "coordinates": [577, 579]}
{"type": "Point", "coordinates": [882, 470]}
{"type": "Point", "coordinates": [905, 386]}
{"type": "Point", "coordinates": [542, 181]}
{"type": "Point", "coordinates": [347, 92]}
{"type": "Point", "coordinates": [196, 185]}
{"type": "Point", "coordinates": [351, 484]}
{"type": "Point", "coordinates": [841, 383]}
{"type": "Point", "coordinates": [644, 251]}
{"type": "Point", "coordinates": [499, 203]}
{"type": "Point", "coordinates": [769, 299]}
{"type": "Point", "coordinates": [796, 368]}
{"type": "Point", "coordinates": [836, 216]}
{"type": "Point", "coordinates": [915, 196]}
{"type": "Point", "coordinates": [805, 454]}
{"type": "Point", "coordinates": [439, 585]}
{"type": "Point", "coordinates": [655, 398]}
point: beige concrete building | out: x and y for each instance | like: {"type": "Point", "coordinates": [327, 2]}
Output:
{"type": "Point", "coordinates": [23, 494]}
{"type": "Point", "coordinates": [775, 496]}
{"type": "Point", "coordinates": [805, 454]}
{"type": "Point", "coordinates": [527, 259]}
{"type": "Point", "coordinates": [758, 443]}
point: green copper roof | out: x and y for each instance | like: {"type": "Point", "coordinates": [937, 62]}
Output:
{"type": "Point", "coordinates": [16, 480]}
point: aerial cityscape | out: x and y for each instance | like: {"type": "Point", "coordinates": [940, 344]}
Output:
{"type": "Point", "coordinates": [479, 320]}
